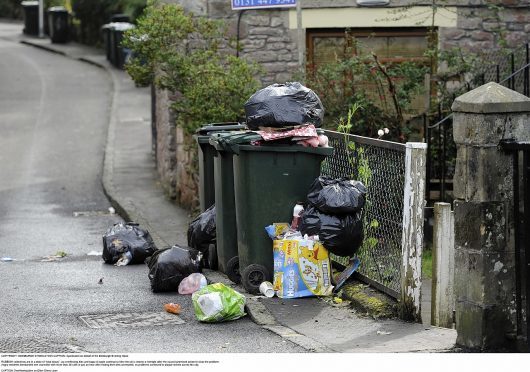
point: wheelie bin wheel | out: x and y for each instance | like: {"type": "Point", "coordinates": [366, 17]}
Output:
{"type": "Point", "coordinates": [232, 270]}
{"type": "Point", "coordinates": [212, 257]}
{"type": "Point", "coordinates": [252, 276]}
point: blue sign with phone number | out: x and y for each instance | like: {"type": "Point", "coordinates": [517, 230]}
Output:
{"type": "Point", "coordinates": [257, 4]}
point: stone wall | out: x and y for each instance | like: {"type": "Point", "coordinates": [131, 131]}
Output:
{"type": "Point", "coordinates": [265, 35]}
{"type": "Point", "coordinates": [166, 161]}
{"type": "Point", "coordinates": [187, 174]}
{"type": "Point", "coordinates": [175, 154]}
{"type": "Point", "coordinates": [481, 29]}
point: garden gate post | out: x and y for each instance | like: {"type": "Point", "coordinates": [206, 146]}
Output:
{"type": "Point", "coordinates": [484, 217]}
{"type": "Point", "coordinates": [412, 235]}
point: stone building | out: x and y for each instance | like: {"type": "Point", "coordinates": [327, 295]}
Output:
{"type": "Point", "coordinates": [395, 32]}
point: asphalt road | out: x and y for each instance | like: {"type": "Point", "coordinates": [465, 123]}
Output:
{"type": "Point", "coordinates": [54, 114]}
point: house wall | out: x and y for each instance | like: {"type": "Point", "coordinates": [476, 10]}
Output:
{"type": "Point", "coordinates": [270, 37]}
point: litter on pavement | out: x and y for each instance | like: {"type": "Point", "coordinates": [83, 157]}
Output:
{"type": "Point", "coordinates": [173, 308]}
{"type": "Point", "coordinates": [218, 303]}
{"type": "Point", "coordinates": [192, 283]}
{"type": "Point", "coordinates": [301, 268]}
{"type": "Point", "coordinates": [127, 243]}
{"type": "Point", "coordinates": [202, 231]}
{"type": "Point", "coordinates": [168, 267]}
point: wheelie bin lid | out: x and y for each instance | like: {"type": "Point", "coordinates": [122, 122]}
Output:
{"type": "Point", "coordinates": [326, 151]}
{"type": "Point", "coordinates": [58, 9]}
{"type": "Point", "coordinates": [223, 141]}
{"type": "Point", "coordinates": [237, 142]}
{"type": "Point", "coordinates": [122, 26]}
{"type": "Point", "coordinates": [218, 127]}
{"type": "Point", "coordinates": [202, 135]}
{"type": "Point", "coordinates": [226, 141]}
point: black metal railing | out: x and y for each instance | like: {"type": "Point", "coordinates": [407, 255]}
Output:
{"type": "Point", "coordinates": [521, 191]}
{"type": "Point", "coordinates": [511, 71]}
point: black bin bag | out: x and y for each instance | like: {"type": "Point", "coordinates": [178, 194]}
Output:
{"type": "Point", "coordinates": [127, 239]}
{"type": "Point", "coordinates": [342, 235]}
{"type": "Point", "coordinates": [337, 196]}
{"type": "Point", "coordinates": [202, 230]}
{"type": "Point", "coordinates": [284, 105]}
{"type": "Point", "coordinates": [167, 267]}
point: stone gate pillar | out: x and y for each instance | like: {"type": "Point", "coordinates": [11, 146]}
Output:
{"type": "Point", "coordinates": [483, 209]}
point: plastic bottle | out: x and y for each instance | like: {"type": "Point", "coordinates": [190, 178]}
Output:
{"type": "Point", "coordinates": [297, 213]}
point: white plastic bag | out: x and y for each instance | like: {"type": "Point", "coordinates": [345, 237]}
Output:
{"type": "Point", "coordinates": [192, 283]}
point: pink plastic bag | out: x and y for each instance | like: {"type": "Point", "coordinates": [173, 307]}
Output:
{"type": "Point", "coordinates": [192, 283]}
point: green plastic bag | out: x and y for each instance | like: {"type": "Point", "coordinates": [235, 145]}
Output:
{"type": "Point", "coordinates": [218, 303]}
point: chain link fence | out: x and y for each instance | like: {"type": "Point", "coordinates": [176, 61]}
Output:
{"type": "Point", "coordinates": [381, 166]}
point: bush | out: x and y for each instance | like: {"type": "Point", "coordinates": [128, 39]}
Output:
{"type": "Point", "coordinates": [10, 9]}
{"type": "Point", "coordinates": [191, 57]}
{"type": "Point", "coordinates": [90, 15]}
{"type": "Point", "coordinates": [382, 93]}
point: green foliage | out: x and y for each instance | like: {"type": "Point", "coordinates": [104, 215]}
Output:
{"type": "Point", "coordinates": [359, 161]}
{"type": "Point", "coordinates": [358, 79]}
{"type": "Point", "coordinates": [382, 92]}
{"type": "Point", "coordinates": [90, 15]}
{"type": "Point", "coordinates": [426, 263]}
{"type": "Point", "coordinates": [10, 9]}
{"type": "Point", "coordinates": [50, 3]}
{"type": "Point", "coordinates": [190, 56]}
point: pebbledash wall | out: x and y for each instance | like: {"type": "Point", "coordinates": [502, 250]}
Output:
{"type": "Point", "coordinates": [270, 37]}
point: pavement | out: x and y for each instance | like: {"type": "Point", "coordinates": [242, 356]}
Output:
{"type": "Point", "coordinates": [130, 183]}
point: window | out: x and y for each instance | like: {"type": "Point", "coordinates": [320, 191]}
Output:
{"type": "Point", "coordinates": [391, 45]}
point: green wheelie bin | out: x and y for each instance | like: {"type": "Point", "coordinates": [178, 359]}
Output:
{"type": "Point", "coordinates": [206, 155]}
{"type": "Point", "coordinates": [225, 206]}
{"type": "Point", "coordinates": [269, 181]}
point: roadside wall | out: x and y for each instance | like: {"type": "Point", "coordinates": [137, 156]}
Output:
{"type": "Point", "coordinates": [166, 160]}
